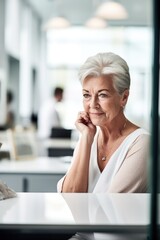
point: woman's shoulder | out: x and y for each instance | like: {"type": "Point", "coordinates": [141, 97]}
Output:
{"type": "Point", "coordinates": [140, 144]}
{"type": "Point", "coordinates": [142, 138]}
{"type": "Point", "coordinates": [139, 132]}
{"type": "Point", "coordinates": [143, 131]}
{"type": "Point", "coordinates": [138, 138]}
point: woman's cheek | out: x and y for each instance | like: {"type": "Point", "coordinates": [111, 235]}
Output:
{"type": "Point", "coordinates": [85, 106]}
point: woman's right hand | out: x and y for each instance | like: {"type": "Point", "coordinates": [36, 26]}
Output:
{"type": "Point", "coordinates": [77, 177]}
{"type": "Point", "coordinates": [84, 124]}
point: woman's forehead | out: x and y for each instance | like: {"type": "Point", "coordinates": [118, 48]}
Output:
{"type": "Point", "coordinates": [103, 82]}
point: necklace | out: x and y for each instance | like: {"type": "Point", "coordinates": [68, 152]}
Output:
{"type": "Point", "coordinates": [124, 126]}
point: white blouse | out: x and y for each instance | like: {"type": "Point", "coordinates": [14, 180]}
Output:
{"type": "Point", "coordinates": [126, 170]}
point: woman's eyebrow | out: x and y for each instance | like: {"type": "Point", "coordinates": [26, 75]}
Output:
{"type": "Point", "coordinates": [85, 90]}
{"type": "Point", "coordinates": [107, 90]}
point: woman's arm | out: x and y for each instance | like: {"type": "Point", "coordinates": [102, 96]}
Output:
{"type": "Point", "coordinates": [76, 179]}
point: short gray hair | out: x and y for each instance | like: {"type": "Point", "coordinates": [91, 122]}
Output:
{"type": "Point", "coordinates": [103, 64]}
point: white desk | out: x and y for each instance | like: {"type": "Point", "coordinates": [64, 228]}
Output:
{"type": "Point", "coordinates": [53, 212]}
{"type": "Point", "coordinates": [37, 175]}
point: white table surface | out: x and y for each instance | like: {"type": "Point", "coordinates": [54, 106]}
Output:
{"type": "Point", "coordinates": [77, 211]}
{"type": "Point", "coordinates": [40, 165]}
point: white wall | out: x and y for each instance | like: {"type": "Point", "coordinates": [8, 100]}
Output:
{"type": "Point", "coordinates": [2, 65]}
{"type": "Point", "coordinates": [23, 42]}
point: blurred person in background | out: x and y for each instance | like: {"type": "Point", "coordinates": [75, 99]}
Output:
{"type": "Point", "coordinates": [48, 116]}
{"type": "Point", "coordinates": [10, 118]}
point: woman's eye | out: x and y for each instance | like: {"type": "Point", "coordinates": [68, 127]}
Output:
{"type": "Point", "coordinates": [86, 95]}
{"type": "Point", "coordinates": [102, 95]}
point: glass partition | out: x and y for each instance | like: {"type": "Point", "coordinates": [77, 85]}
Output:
{"type": "Point", "coordinates": [58, 54]}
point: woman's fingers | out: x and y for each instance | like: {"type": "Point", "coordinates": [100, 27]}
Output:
{"type": "Point", "coordinates": [83, 117]}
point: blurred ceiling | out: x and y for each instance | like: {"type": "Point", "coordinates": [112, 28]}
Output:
{"type": "Point", "coordinates": [79, 11]}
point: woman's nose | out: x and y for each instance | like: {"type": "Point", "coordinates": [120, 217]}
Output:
{"type": "Point", "coordinates": [94, 102]}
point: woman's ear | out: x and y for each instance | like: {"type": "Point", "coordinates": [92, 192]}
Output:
{"type": "Point", "coordinates": [124, 98]}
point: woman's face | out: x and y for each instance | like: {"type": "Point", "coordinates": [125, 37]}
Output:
{"type": "Point", "coordinates": [101, 101]}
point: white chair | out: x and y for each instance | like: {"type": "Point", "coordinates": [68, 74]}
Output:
{"type": "Point", "coordinates": [22, 144]}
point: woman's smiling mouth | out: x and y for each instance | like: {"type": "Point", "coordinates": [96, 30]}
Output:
{"type": "Point", "coordinates": [96, 113]}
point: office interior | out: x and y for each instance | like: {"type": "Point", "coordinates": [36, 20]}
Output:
{"type": "Point", "coordinates": [36, 56]}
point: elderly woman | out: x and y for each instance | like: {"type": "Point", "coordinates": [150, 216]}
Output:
{"type": "Point", "coordinates": [111, 155]}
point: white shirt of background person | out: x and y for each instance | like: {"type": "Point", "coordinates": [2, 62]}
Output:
{"type": "Point", "coordinates": [48, 116]}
